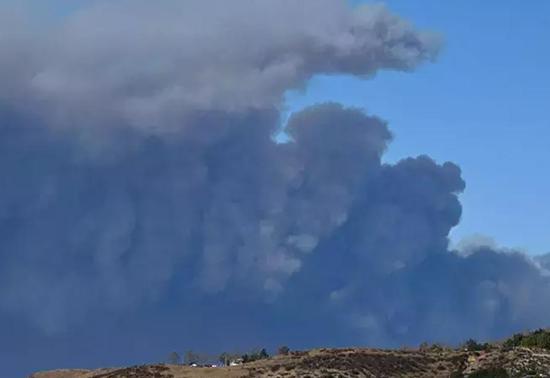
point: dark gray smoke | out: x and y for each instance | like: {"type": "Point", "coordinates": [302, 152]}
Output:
{"type": "Point", "coordinates": [140, 176]}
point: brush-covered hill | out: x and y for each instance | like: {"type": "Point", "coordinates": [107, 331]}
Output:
{"type": "Point", "coordinates": [525, 355]}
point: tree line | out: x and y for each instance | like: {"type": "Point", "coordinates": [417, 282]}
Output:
{"type": "Point", "coordinates": [192, 358]}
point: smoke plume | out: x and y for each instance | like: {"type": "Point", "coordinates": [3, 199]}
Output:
{"type": "Point", "coordinates": [139, 174]}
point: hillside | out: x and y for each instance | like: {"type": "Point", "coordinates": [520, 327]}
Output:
{"type": "Point", "coordinates": [495, 361]}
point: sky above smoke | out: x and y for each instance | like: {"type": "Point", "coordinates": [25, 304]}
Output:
{"type": "Point", "coordinates": [143, 196]}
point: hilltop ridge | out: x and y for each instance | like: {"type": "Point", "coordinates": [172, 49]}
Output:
{"type": "Point", "coordinates": [487, 360]}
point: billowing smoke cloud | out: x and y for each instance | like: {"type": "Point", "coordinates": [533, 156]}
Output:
{"type": "Point", "coordinates": [544, 261]}
{"type": "Point", "coordinates": [136, 157]}
{"type": "Point", "coordinates": [151, 64]}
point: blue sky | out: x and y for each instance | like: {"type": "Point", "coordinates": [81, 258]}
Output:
{"type": "Point", "coordinates": [483, 105]}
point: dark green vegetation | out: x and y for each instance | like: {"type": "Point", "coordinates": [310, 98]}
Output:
{"type": "Point", "coordinates": [494, 372]}
{"type": "Point", "coordinates": [537, 339]}
{"type": "Point", "coordinates": [472, 345]}
{"type": "Point", "coordinates": [255, 356]}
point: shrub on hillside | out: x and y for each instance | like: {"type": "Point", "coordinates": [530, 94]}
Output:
{"type": "Point", "coordinates": [284, 350]}
{"type": "Point", "coordinates": [537, 339]}
{"type": "Point", "coordinates": [493, 372]}
{"type": "Point", "coordinates": [254, 356]}
{"type": "Point", "coordinates": [473, 345]}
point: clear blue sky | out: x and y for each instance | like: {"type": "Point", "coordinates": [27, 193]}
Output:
{"type": "Point", "coordinates": [483, 105]}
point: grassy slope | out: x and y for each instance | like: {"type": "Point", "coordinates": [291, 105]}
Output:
{"type": "Point", "coordinates": [350, 363]}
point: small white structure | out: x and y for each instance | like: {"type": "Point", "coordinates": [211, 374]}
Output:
{"type": "Point", "coordinates": [236, 362]}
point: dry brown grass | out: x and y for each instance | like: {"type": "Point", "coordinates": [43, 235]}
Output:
{"type": "Point", "coordinates": [345, 363]}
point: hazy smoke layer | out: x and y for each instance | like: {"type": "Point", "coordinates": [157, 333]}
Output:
{"type": "Point", "coordinates": [150, 64]}
{"type": "Point", "coordinates": [137, 161]}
